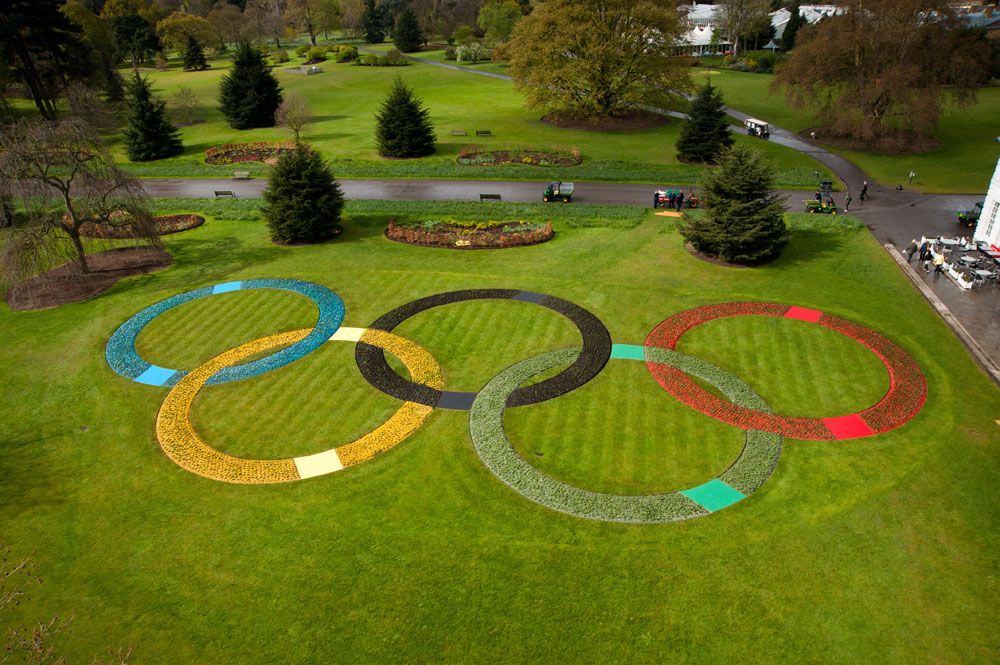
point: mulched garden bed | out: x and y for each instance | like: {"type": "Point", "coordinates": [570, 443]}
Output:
{"type": "Point", "coordinates": [456, 236]}
{"type": "Point", "coordinates": [555, 156]}
{"type": "Point", "coordinates": [165, 225]}
{"type": "Point", "coordinates": [635, 120]}
{"type": "Point", "coordinates": [906, 143]}
{"type": "Point", "coordinates": [267, 152]}
{"type": "Point", "coordinates": [66, 284]}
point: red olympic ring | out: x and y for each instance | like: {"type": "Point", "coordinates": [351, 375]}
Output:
{"type": "Point", "coordinates": [907, 385]}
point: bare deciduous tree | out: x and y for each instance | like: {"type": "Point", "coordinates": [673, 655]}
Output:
{"type": "Point", "coordinates": [55, 177]}
{"type": "Point", "coordinates": [294, 113]}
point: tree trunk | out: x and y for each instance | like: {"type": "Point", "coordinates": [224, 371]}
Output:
{"type": "Point", "coordinates": [38, 93]}
{"type": "Point", "coordinates": [74, 234]}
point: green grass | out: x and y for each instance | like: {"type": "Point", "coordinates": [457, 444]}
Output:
{"type": "Point", "coordinates": [345, 98]}
{"type": "Point", "coordinates": [963, 164]}
{"type": "Point", "coordinates": [884, 545]}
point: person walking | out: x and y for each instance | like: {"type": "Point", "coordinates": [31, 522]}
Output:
{"type": "Point", "coordinates": [925, 250]}
{"type": "Point", "coordinates": [939, 263]}
{"type": "Point", "coordinates": [656, 199]}
{"type": "Point", "coordinates": [847, 202]}
{"type": "Point", "coordinates": [680, 200]}
{"type": "Point", "coordinates": [911, 250]}
{"type": "Point", "coordinates": [864, 191]}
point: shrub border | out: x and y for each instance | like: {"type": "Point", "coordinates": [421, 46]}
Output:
{"type": "Point", "coordinates": [123, 359]}
{"type": "Point", "coordinates": [751, 469]}
{"type": "Point", "coordinates": [904, 399]}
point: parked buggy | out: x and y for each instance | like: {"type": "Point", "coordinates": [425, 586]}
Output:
{"type": "Point", "coordinates": [558, 191]}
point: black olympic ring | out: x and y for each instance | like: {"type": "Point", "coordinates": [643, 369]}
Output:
{"type": "Point", "coordinates": [592, 359]}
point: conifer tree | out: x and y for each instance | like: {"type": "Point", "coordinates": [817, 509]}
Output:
{"type": "Point", "coordinates": [407, 36]}
{"type": "Point", "coordinates": [404, 127]}
{"type": "Point", "coordinates": [705, 133]}
{"type": "Point", "coordinates": [194, 56]}
{"type": "Point", "coordinates": [149, 134]}
{"type": "Point", "coordinates": [372, 24]}
{"type": "Point", "coordinates": [303, 201]}
{"type": "Point", "coordinates": [792, 27]}
{"type": "Point", "coordinates": [114, 86]}
{"type": "Point", "coordinates": [249, 94]}
{"type": "Point", "coordinates": [744, 221]}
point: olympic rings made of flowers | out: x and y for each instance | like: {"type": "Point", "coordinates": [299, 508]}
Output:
{"type": "Point", "coordinates": [907, 385]}
{"type": "Point", "coordinates": [593, 356]}
{"type": "Point", "coordinates": [183, 445]}
{"type": "Point", "coordinates": [755, 464]}
{"type": "Point", "coordinates": [123, 358]}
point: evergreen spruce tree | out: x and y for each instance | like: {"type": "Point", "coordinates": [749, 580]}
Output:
{"type": "Point", "coordinates": [705, 133]}
{"type": "Point", "coordinates": [407, 36]}
{"type": "Point", "coordinates": [114, 86]}
{"type": "Point", "coordinates": [744, 221]}
{"type": "Point", "coordinates": [372, 24]}
{"type": "Point", "coordinates": [149, 134]}
{"type": "Point", "coordinates": [404, 127]}
{"type": "Point", "coordinates": [194, 56]}
{"type": "Point", "coordinates": [249, 94]}
{"type": "Point", "coordinates": [302, 202]}
{"type": "Point", "coordinates": [792, 27]}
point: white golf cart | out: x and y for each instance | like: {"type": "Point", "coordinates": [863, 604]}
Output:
{"type": "Point", "coordinates": [757, 127]}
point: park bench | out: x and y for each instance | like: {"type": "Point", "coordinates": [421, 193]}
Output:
{"type": "Point", "coordinates": [314, 70]}
{"type": "Point", "coordinates": [220, 193]}
{"type": "Point", "coordinates": [459, 132]}
{"type": "Point", "coordinates": [489, 197]}
{"type": "Point", "coordinates": [484, 132]}
{"type": "Point", "coordinates": [241, 175]}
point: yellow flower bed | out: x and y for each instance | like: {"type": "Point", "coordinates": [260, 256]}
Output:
{"type": "Point", "coordinates": [185, 447]}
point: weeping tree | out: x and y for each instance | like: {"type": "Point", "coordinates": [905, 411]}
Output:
{"type": "Point", "coordinates": [55, 178]}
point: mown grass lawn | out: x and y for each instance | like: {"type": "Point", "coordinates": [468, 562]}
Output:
{"type": "Point", "coordinates": [962, 164]}
{"type": "Point", "coordinates": [875, 546]}
{"type": "Point", "coordinates": [345, 98]}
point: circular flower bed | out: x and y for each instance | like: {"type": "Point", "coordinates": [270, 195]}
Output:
{"type": "Point", "coordinates": [165, 225]}
{"type": "Point", "coordinates": [267, 152]}
{"type": "Point", "coordinates": [456, 235]}
{"type": "Point", "coordinates": [553, 156]}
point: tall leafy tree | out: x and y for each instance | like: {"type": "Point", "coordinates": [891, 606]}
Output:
{"type": "Point", "coordinates": [43, 46]}
{"type": "Point", "coordinates": [705, 133]}
{"type": "Point", "coordinates": [194, 56]}
{"type": "Point", "coordinates": [135, 38]}
{"type": "Point", "coordinates": [744, 18]}
{"type": "Point", "coordinates": [745, 220]}
{"type": "Point", "coordinates": [372, 27]}
{"type": "Point", "coordinates": [498, 18]}
{"type": "Point", "coordinates": [403, 126]}
{"type": "Point", "coordinates": [149, 134]}
{"type": "Point", "coordinates": [249, 93]}
{"type": "Point", "coordinates": [795, 22]}
{"type": "Point", "coordinates": [302, 202]}
{"type": "Point", "coordinates": [883, 68]}
{"type": "Point", "coordinates": [407, 36]}
{"type": "Point", "coordinates": [598, 59]}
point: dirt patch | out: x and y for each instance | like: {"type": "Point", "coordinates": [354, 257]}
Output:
{"type": "Point", "coordinates": [632, 121]}
{"type": "Point", "coordinates": [66, 284]}
{"type": "Point", "coordinates": [719, 262]}
{"type": "Point", "coordinates": [899, 144]}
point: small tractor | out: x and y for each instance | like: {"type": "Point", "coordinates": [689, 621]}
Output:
{"type": "Point", "coordinates": [757, 127]}
{"type": "Point", "coordinates": [970, 217]}
{"type": "Point", "coordinates": [558, 191]}
{"type": "Point", "coordinates": [823, 203]}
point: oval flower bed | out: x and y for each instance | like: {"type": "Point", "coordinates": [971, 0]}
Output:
{"type": "Point", "coordinates": [530, 156]}
{"type": "Point", "coordinates": [165, 225]}
{"type": "Point", "coordinates": [267, 152]}
{"type": "Point", "coordinates": [456, 235]}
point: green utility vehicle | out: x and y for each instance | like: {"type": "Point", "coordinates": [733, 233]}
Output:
{"type": "Point", "coordinates": [558, 191]}
{"type": "Point", "coordinates": [970, 217]}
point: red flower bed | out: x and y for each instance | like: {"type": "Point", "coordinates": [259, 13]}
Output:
{"type": "Point", "coordinates": [165, 225]}
{"type": "Point", "coordinates": [267, 152]}
{"type": "Point", "coordinates": [907, 385]}
{"type": "Point", "coordinates": [454, 236]}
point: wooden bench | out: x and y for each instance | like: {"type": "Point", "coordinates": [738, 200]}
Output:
{"type": "Point", "coordinates": [484, 132]}
{"type": "Point", "coordinates": [220, 193]}
{"type": "Point", "coordinates": [241, 175]}
{"type": "Point", "coordinates": [489, 197]}
{"type": "Point", "coordinates": [459, 132]}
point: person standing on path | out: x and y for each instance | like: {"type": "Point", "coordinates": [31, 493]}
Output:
{"type": "Point", "coordinates": [925, 250]}
{"type": "Point", "coordinates": [864, 191]}
{"type": "Point", "coordinates": [680, 200]}
{"type": "Point", "coordinates": [656, 199]}
{"type": "Point", "coordinates": [847, 202]}
{"type": "Point", "coordinates": [911, 250]}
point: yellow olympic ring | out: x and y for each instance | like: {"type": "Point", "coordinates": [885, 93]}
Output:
{"type": "Point", "coordinates": [185, 447]}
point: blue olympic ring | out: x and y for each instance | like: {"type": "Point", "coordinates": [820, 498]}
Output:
{"type": "Point", "coordinates": [123, 358]}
